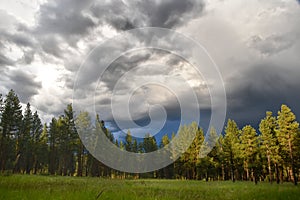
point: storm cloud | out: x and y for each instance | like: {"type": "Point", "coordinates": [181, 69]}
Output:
{"type": "Point", "coordinates": [255, 47]}
{"type": "Point", "coordinates": [23, 83]}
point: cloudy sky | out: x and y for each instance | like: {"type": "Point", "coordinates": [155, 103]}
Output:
{"type": "Point", "coordinates": [255, 45]}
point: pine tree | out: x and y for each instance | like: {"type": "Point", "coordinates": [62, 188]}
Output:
{"type": "Point", "coordinates": [24, 144]}
{"type": "Point", "coordinates": [164, 141]}
{"type": "Point", "coordinates": [149, 143]}
{"type": "Point", "coordinates": [167, 171]}
{"type": "Point", "coordinates": [269, 145]}
{"type": "Point", "coordinates": [85, 160]}
{"type": "Point", "coordinates": [53, 146]}
{"type": "Point", "coordinates": [189, 160]}
{"type": "Point", "coordinates": [1, 108]}
{"type": "Point", "coordinates": [71, 138]}
{"type": "Point", "coordinates": [41, 151]}
{"type": "Point", "coordinates": [135, 147]}
{"type": "Point", "coordinates": [209, 153]}
{"type": "Point", "coordinates": [287, 131]}
{"type": "Point", "coordinates": [11, 124]}
{"type": "Point", "coordinates": [1, 130]}
{"type": "Point", "coordinates": [249, 149]}
{"type": "Point", "coordinates": [231, 146]}
{"type": "Point", "coordinates": [37, 141]}
{"type": "Point", "coordinates": [128, 142]}
{"type": "Point", "coordinates": [221, 157]}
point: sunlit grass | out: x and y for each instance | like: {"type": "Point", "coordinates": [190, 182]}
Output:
{"type": "Point", "coordinates": [49, 187]}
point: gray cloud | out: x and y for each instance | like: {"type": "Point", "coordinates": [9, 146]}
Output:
{"type": "Point", "coordinates": [28, 57]}
{"type": "Point", "coordinates": [67, 22]}
{"type": "Point", "coordinates": [261, 88]}
{"type": "Point", "coordinates": [4, 61]}
{"type": "Point", "coordinates": [65, 18]}
{"type": "Point", "coordinates": [21, 39]}
{"type": "Point", "coordinates": [272, 44]}
{"type": "Point", "coordinates": [23, 83]}
{"type": "Point", "coordinates": [51, 46]}
{"type": "Point", "coordinates": [15, 33]}
{"type": "Point", "coordinates": [171, 13]}
{"type": "Point", "coordinates": [164, 13]}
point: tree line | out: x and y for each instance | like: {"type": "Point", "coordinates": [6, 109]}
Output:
{"type": "Point", "coordinates": [270, 153]}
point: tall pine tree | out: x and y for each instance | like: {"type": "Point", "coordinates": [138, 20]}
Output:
{"type": "Point", "coordinates": [287, 131]}
{"type": "Point", "coordinates": [249, 149]}
{"type": "Point", "coordinates": [231, 146]}
{"type": "Point", "coordinates": [11, 124]}
{"type": "Point", "coordinates": [269, 145]}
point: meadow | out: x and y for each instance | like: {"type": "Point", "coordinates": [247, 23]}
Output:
{"type": "Point", "coordinates": [51, 187]}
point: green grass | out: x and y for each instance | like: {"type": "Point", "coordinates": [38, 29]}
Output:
{"type": "Point", "coordinates": [49, 187]}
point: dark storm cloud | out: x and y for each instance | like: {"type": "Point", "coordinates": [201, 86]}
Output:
{"type": "Point", "coordinates": [122, 65]}
{"type": "Point", "coordinates": [170, 13]}
{"type": "Point", "coordinates": [89, 74]}
{"type": "Point", "coordinates": [76, 18]}
{"type": "Point", "coordinates": [68, 21]}
{"type": "Point", "coordinates": [261, 88]}
{"type": "Point", "coordinates": [24, 84]}
{"type": "Point", "coordinates": [65, 18]}
{"type": "Point", "coordinates": [164, 13]}
{"type": "Point", "coordinates": [72, 20]}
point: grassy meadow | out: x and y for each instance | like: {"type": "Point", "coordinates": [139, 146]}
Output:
{"type": "Point", "coordinates": [49, 187]}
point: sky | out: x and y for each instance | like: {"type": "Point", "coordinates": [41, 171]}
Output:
{"type": "Point", "coordinates": [255, 46]}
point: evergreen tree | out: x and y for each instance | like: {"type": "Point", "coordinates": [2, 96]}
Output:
{"type": "Point", "coordinates": [11, 124]}
{"type": "Point", "coordinates": [231, 146]}
{"type": "Point", "coordinates": [41, 151]}
{"type": "Point", "coordinates": [53, 146]}
{"type": "Point", "coordinates": [249, 150]}
{"type": "Point", "coordinates": [287, 131]}
{"type": "Point", "coordinates": [164, 141]}
{"type": "Point", "coordinates": [149, 143]}
{"type": "Point", "coordinates": [1, 107]}
{"type": "Point", "coordinates": [209, 151]}
{"type": "Point", "coordinates": [189, 161]}
{"type": "Point", "coordinates": [221, 157]}
{"type": "Point", "coordinates": [135, 147]}
{"type": "Point", "coordinates": [71, 142]}
{"type": "Point", "coordinates": [38, 142]}
{"type": "Point", "coordinates": [167, 171]}
{"type": "Point", "coordinates": [122, 146]}
{"type": "Point", "coordinates": [24, 144]}
{"type": "Point", "coordinates": [269, 145]}
{"type": "Point", "coordinates": [128, 142]}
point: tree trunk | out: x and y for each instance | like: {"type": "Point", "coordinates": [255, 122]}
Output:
{"type": "Point", "coordinates": [281, 174]}
{"type": "Point", "coordinates": [270, 170]}
{"type": "Point", "coordinates": [247, 172]}
{"type": "Point", "coordinates": [255, 175]}
{"type": "Point", "coordinates": [223, 172]}
{"type": "Point", "coordinates": [293, 163]}
{"type": "Point", "coordinates": [277, 173]}
{"type": "Point", "coordinates": [232, 169]}
{"type": "Point", "coordinates": [206, 175]}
